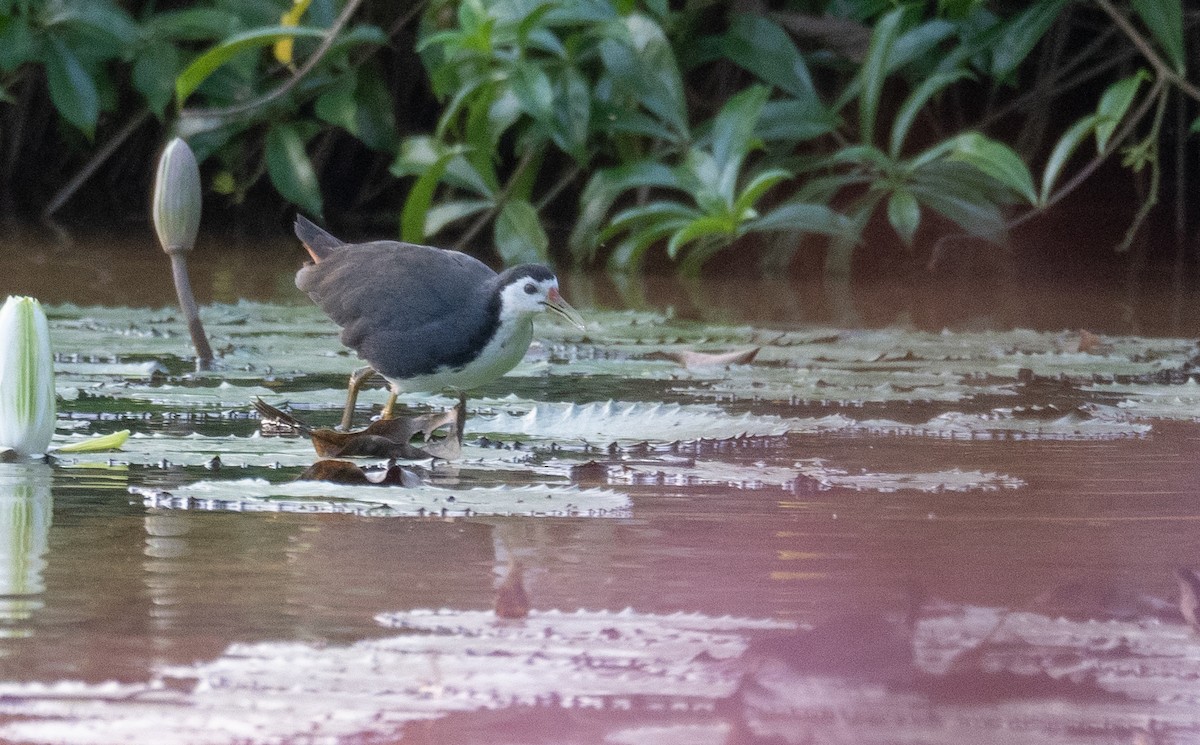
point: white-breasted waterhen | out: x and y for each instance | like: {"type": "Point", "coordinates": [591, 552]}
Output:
{"type": "Point", "coordinates": [425, 318]}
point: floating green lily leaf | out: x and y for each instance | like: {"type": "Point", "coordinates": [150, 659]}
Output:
{"type": "Point", "coordinates": [250, 495]}
{"type": "Point", "coordinates": [810, 474]}
{"type": "Point", "coordinates": [100, 444]}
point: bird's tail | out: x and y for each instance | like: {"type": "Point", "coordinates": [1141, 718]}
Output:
{"type": "Point", "coordinates": [317, 241]}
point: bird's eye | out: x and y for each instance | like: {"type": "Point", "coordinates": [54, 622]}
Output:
{"type": "Point", "coordinates": [530, 288]}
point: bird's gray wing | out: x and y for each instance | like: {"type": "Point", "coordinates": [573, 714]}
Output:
{"type": "Point", "coordinates": [406, 309]}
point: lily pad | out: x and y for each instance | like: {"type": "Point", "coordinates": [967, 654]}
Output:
{"type": "Point", "coordinates": [453, 661]}
{"type": "Point", "coordinates": [258, 495]}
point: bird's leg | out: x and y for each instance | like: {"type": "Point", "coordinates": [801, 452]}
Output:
{"type": "Point", "coordinates": [460, 416]}
{"type": "Point", "coordinates": [391, 404]}
{"type": "Point", "coordinates": [357, 379]}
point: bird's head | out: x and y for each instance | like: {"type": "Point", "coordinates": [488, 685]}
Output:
{"type": "Point", "coordinates": [533, 288]}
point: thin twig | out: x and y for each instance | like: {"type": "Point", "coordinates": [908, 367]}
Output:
{"type": "Point", "coordinates": [283, 88]}
{"type": "Point", "coordinates": [1058, 84]}
{"type": "Point", "coordinates": [1147, 50]}
{"type": "Point", "coordinates": [63, 195]}
{"type": "Point", "coordinates": [498, 205]}
{"type": "Point", "coordinates": [1155, 178]}
{"type": "Point", "coordinates": [563, 182]}
{"type": "Point", "coordinates": [1097, 161]}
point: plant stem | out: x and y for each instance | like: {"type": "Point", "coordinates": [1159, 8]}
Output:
{"type": "Point", "coordinates": [187, 302]}
{"type": "Point", "coordinates": [1155, 177]}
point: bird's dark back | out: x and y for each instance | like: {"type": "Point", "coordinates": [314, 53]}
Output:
{"type": "Point", "coordinates": [406, 309]}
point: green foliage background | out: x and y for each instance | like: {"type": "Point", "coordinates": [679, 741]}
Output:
{"type": "Point", "coordinates": [609, 132]}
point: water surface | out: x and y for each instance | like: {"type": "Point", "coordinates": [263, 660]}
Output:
{"type": "Point", "coordinates": [945, 523]}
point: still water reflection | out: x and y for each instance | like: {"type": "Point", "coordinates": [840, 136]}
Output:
{"type": "Point", "coordinates": [1040, 607]}
{"type": "Point", "coordinates": [25, 515]}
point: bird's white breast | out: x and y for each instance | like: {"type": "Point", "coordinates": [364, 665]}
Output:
{"type": "Point", "coordinates": [502, 353]}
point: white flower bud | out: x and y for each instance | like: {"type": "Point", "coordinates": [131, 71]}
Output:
{"type": "Point", "coordinates": [177, 198]}
{"type": "Point", "coordinates": [26, 377]}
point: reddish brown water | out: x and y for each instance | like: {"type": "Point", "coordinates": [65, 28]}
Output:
{"type": "Point", "coordinates": [1057, 598]}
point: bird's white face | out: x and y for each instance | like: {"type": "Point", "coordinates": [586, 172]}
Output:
{"type": "Point", "coordinates": [528, 296]}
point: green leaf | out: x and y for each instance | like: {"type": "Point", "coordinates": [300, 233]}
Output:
{"type": "Point", "coordinates": [532, 87]}
{"type": "Point", "coordinates": [904, 213]}
{"type": "Point", "coordinates": [915, 102]}
{"type": "Point", "coordinates": [917, 42]}
{"type": "Point", "coordinates": [996, 160]}
{"type": "Point", "coordinates": [153, 75]}
{"type": "Point", "coordinates": [16, 43]}
{"type": "Point", "coordinates": [1164, 18]}
{"type": "Point", "coordinates": [733, 136]}
{"type": "Point", "coordinates": [94, 17]}
{"type": "Point", "coordinates": [520, 238]}
{"type": "Point", "coordinates": [759, 45]}
{"type": "Point", "coordinates": [706, 226]}
{"type": "Point", "coordinates": [360, 103]}
{"type": "Point", "coordinates": [1195, 128]}
{"type": "Point", "coordinates": [874, 72]}
{"type": "Point", "coordinates": [207, 63]}
{"type": "Point", "coordinates": [640, 58]}
{"type": "Point", "coordinates": [661, 212]}
{"type": "Point", "coordinates": [806, 218]}
{"type": "Point", "coordinates": [290, 169]}
{"type": "Point", "coordinates": [1021, 34]}
{"type": "Point", "coordinates": [758, 186]}
{"type": "Point", "coordinates": [604, 188]}
{"type": "Point", "coordinates": [1063, 149]}
{"type": "Point", "coordinates": [979, 218]}
{"type": "Point", "coordinates": [867, 156]}
{"type": "Point", "coordinates": [441, 215]}
{"type": "Point", "coordinates": [421, 152]}
{"type": "Point", "coordinates": [794, 120]}
{"type": "Point", "coordinates": [1114, 104]}
{"type": "Point", "coordinates": [572, 116]}
{"type": "Point", "coordinates": [72, 89]}
{"type": "Point", "coordinates": [194, 24]}
{"type": "Point", "coordinates": [414, 217]}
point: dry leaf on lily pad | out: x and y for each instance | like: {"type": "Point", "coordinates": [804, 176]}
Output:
{"type": "Point", "coordinates": [690, 358]}
{"type": "Point", "coordinates": [1090, 343]}
{"type": "Point", "coordinates": [383, 438]}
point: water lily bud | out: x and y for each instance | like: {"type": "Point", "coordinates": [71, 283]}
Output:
{"type": "Point", "coordinates": [26, 377]}
{"type": "Point", "coordinates": [177, 198]}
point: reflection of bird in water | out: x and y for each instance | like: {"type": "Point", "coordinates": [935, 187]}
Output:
{"type": "Point", "coordinates": [511, 598]}
{"type": "Point", "coordinates": [424, 318]}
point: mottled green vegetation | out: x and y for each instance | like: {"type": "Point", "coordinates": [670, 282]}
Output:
{"type": "Point", "coordinates": [617, 132]}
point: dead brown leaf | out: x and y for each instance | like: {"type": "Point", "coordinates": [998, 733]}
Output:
{"type": "Point", "coordinates": [383, 438]}
{"type": "Point", "coordinates": [345, 472]}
